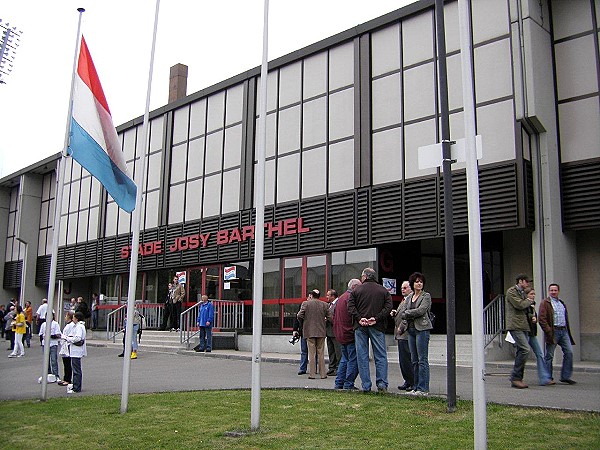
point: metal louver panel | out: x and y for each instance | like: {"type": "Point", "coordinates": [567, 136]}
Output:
{"type": "Point", "coordinates": [246, 246]}
{"type": "Point", "coordinates": [362, 217]}
{"type": "Point", "coordinates": [340, 221]}
{"type": "Point", "coordinates": [208, 254]}
{"type": "Point", "coordinates": [109, 253]}
{"type": "Point", "coordinates": [420, 209]}
{"type": "Point", "coordinates": [229, 251]}
{"type": "Point", "coordinates": [12, 275]}
{"type": "Point", "coordinates": [42, 270]}
{"type": "Point", "coordinates": [91, 257]}
{"type": "Point", "coordinates": [172, 232]}
{"type": "Point", "coordinates": [313, 213]}
{"type": "Point", "coordinates": [529, 198]}
{"type": "Point", "coordinates": [581, 195]}
{"type": "Point", "coordinates": [121, 264]}
{"type": "Point", "coordinates": [498, 198]}
{"type": "Point", "coordinates": [80, 257]}
{"type": "Point", "coordinates": [149, 262]}
{"type": "Point", "coordinates": [459, 204]}
{"type": "Point", "coordinates": [68, 262]}
{"type": "Point", "coordinates": [286, 244]}
{"type": "Point", "coordinates": [386, 214]}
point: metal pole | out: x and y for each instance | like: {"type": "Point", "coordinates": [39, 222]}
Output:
{"type": "Point", "coordinates": [448, 209]}
{"type": "Point", "coordinates": [23, 272]}
{"type": "Point", "coordinates": [135, 226]}
{"type": "Point", "coordinates": [479, 402]}
{"type": "Point", "coordinates": [56, 226]}
{"type": "Point", "coordinates": [259, 232]}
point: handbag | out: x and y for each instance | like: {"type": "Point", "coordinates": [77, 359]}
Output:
{"type": "Point", "coordinates": [401, 328]}
{"type": "Point", "coordinates": [79, 343]}
{"type": "Point", "coordinates": [432, 318]}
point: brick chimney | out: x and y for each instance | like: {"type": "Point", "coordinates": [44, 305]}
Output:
{"type": "Point", "coordinates": [178, 82]}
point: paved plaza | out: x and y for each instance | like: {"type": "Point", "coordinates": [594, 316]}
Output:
{"type": "Point", "coordinates": [228, 369]}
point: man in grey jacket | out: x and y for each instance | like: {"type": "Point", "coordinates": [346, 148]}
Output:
{"type": "Point", "coordinates": [516, 305]}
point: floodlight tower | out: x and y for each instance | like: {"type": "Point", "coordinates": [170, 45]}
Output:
{"type": "Point", "coordinates": [10, 41]}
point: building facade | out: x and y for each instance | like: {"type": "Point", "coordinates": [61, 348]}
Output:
{"type": "Point", "coordinates": [344, 190]}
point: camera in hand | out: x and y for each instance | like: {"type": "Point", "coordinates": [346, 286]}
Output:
{"type": "Point", "coordinates": [295, 338]}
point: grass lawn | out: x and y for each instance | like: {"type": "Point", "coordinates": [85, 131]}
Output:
{"type": "Point", "coordinates": [290, 419]}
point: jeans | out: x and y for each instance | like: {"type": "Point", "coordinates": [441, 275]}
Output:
{"type": "Point", "coordinates": [53, 362]}
{"type": "Point", "coordinates": [361, 339]}
{"type": "Point", "coordinates": [562, 338]}
{"type": "Point", "coordinates": [303, 355]}
{"type": "Point", "coordinates": [95, 319]}
{"type": "Point", "coordinates": [522, 343]}
{"type": "Point", "coordinates": [77, 373]}
{"type": "Point", "coordinates": [347, 370]}
{"type": "Point", "coordinates": [542, 369]}
{"type": "Point", "coordinates": [205, 339]}
{"type": "Point", "coordinates": [406, 367]}
{"type": "Point", "coordinates": [418, 343]}
{"type": "Point", "coordinates": [134, 342]}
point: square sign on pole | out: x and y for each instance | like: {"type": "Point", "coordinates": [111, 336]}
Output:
{"type": "Point", "coordinates": [430, 156]}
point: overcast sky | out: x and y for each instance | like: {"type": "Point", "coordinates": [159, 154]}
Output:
{"type": "Point", "coordinates": [225, 33]}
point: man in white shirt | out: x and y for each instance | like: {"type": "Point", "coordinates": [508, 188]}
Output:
{"type": "Point", "coordinates": [54, 340]}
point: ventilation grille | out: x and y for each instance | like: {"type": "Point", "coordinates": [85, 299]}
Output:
{"type": "Point", "coordinates": [284, 245]}
{"type": "Point", "coordinates": [581, 195]}
{"type": "Point", "coordinates": [386, 214]}
{"type": "Point", "coordinates": [362, 217]}
{"type": "Point", "coordinates": [42, 270]}
{"type": "Point", "coordinates": [529, 198]}
{"type": "Point", "coordinates": [498, 198]}
{"type": "Point", "coordinates": [460, 211]}
{"type": "Point", "coordinates": [340, 221]}
{"type": "Point", "coordinates": [12, 275]}
{"type": "Point", "coordinates": [230, 251]}
{"type": "Point", "coordinates": [209, 253]}
{"type": "Point", "coordinates": [313, 214]}
{"type": "Point", "coordinates": [420, 209]}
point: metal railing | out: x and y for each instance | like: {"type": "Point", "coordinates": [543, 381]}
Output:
{"type": "Point", "coordinates": [493, 321]}
{"type": "Point", "coordinates": [152, 313]}
{"type": "Point", "coordinates": [229, 316]}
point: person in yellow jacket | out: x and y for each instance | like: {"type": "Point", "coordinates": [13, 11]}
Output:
{"type": "Point", "coordinates": [19, 328]}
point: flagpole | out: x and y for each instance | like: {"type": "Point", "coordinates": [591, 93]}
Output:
{"type": "Point", "coordinates": [56, 227]}
{"type": "Point", "coordinates": [135, 227]}
{"type": "Point", "coordinates": [259, 241]}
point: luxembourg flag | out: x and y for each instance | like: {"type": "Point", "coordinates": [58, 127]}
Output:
{"type": "Point", "coordinates": [93, 139]}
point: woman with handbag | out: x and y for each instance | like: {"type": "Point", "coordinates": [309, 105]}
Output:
{"type": "Point", "coordinates": [77, 350]}
{"type": "Point", "coordinates": [418, 305]}
{"type": "Point", "coordinates": [19, 329]}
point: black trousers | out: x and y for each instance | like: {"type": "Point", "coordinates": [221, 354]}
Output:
{"type": "Point", "coordinates": [167, 321]}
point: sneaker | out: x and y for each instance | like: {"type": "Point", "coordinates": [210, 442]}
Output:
{"type": "Point", "coordinates": [121, 355]}
{"type": "Point", "coordinates": [302, 372]}
{"type": "Point", "coordinates": [208, 351]}
{"type": "Point", "coordinates": [12, 355]}
{"type": "Point", "coordinates": [23, 354]}
{"type": "Point", "coordinates": [568, 381]}
{"type": "Point", "coordinates": [381, 389]}
{"type": "Point", "coordinates": [421, 393]}
{"type": "Point", "coordinates": [70, 391]}
{"type": "Point", "coordinates": [133, 355]}
{"type": "Point", "coordinates": [70, 386]}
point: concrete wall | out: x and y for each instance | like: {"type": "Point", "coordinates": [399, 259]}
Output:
{"type": "Point", "coordinates": [588, 260]}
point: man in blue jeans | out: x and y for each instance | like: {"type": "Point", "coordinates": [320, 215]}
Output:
{"type": "Point", "coordinates": [370, 305]}
{"type": "Point", "coordinates": [205, 322]}
{"type": "Point", "coordinates": [554, 320]}
{"type": "Point", "coordinates": [347, 370]}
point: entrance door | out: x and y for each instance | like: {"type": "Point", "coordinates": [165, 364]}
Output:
{"type": "Point", "coordinates": [204, 280]}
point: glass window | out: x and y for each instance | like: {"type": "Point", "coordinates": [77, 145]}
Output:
{"type": "Point", "coordinates": [192, 201]}
{"type": "Point", "coordinates": [41, 242]}
{"type": "Point", "coordinates": [341, 66]}
{"type": "Point", "coordinates": [124, 222]}
{"type": "Point", "coordinates": [235, 104]}
{"type": "Point", "coordinates": [348, 265]}
{"type": "Point", "coordinates": [196, 158]}
{"type": "Point", "coordinates": [289, 84]}
{"type": "Point", "coordinates": [178, 163]}
{"type": "Point", "coordinates": [156, 135]}
{"type": "Point", "coordinates": [198, 118]}
{"type": "Point", "coordinates": [74, 203]}
{"type": "Point", "coordinates": [292, 278]}
{"type": "Point", "coordinates": [72, 229]}
{"type": "Point", "coordinates": [314, 172]}
{"type": "Point", "coordinates": [44, 219]}
{"type": "Point", "coordinates": [176, 201]}
{"type": "Point", "coordinates": [314, 120]}
{"type": "Point", "coordinates": [271, 91]}
{"type": "Point", "coordinates": [212, 196]}
{"type": "Point", "coordinates": [385, 50]}
{"type": "Point", "coordinates": [216, 104]}
{"type": "Point", "coordinates": [154, 167]}
{"type": "Point", "coordinates": [93, 223]}
{"type": "Point", "coordinates": [214, 152]}
{"type": "Point", "coordinates": [111, 219]}
{"type": "Point", "coordinates": [316, 273]}
{"type": "Point", "coordinates": [180, 124]}
{"type": "Point", "coordinates": [341, 114]}
{"type": "Point", "coordinates": [152, 209]}
{"type": "Point", "coordinates": [271, 319]}
{"type": "Point", "coordinates": [271, 279]}
{"type": "Point", "coordinates": [315, 75]}
{"type": "Point", "coordinates": [417, 135]}
{"type": "Point", "coordinates": [240, 287]}
{"type": "Point", "coordinates": [289, 130]}
{"type": "Point", "coordinates": [290, 310]}
{"type": "Point", "coordinates": [233, 147]}
{"type": "Point", "coordinates": [84, 196]}
{"type": "Point", "coordinates": [387, 105]}
{"type": "Point", "coordinates": [82, 228]}
{"type": "Point", "coordinates": [288, 178]}
{"type": "Point", "coordinates": [417, 38]}
{"type": "Point", "coordinates": [96, 192]}
{"type": "Point", "coordinates": [341, 166]}
{"type": "Point", "coordinates": [231, 191]}
{"type": "Point", "coordinates": [419, 92]}
{"type": "Point", "coordinates": [128, 139]}
{"type": "Point", "coordinates": [387, 156]}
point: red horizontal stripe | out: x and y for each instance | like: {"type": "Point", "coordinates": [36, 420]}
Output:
{"type": "Point", "coordinates": [87, 72]}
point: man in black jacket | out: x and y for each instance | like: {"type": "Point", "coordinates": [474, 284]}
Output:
{"type": "Point", "coordinates": [370, 305]}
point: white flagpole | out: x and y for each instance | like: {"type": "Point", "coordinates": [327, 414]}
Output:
{"type": "Point", "coordinates": [259, 233]}
{"type": "Point", "coordinates": [135, 227]}
{"type": "Point", "coordinates": [56, 227]}
{"type": "Point", "coordinates": [479, 402]}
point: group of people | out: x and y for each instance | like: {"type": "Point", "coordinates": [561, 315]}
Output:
{"type": "Point", "coordinates": [173, 301]}
{"type": "Point", "coordinates": [358, 318]}
{"type": "Point", "coordinates": [522, 322]}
